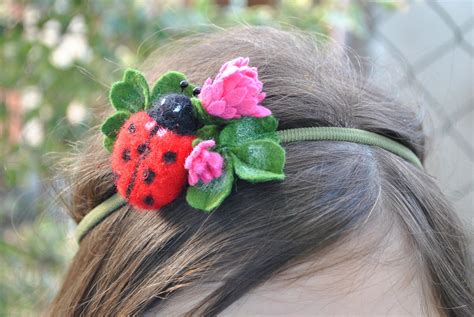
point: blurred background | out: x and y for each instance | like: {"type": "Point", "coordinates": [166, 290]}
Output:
{"type": "Point", "coordinates": [58, 58]}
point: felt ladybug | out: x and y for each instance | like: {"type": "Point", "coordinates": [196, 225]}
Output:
{"type": "Point", "coordinates": [150, 150]}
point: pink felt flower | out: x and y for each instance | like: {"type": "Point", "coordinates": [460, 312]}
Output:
{"type": "Point", "coordinates": [235, 92]}
{"type": "Point", "coordinates": [202, 164]}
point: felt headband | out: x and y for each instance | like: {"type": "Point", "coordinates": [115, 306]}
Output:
{"type": "Point", "coordinates": [206, 136]}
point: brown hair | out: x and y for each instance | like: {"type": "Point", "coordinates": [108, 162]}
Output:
{"type": "Point", "coordinates": [134, 261]}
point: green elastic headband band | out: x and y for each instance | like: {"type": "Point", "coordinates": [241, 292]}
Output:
{"type": "Point", "coordinates": [102, 211]}
{"type": "Point", "coordinates": [349, 135]}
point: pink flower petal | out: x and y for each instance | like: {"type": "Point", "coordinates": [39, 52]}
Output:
{"type": "Point", "coordinates": [216, 108]}
{"type": "Point", "coordinates": [261, 111]}
{"type": "Point", "coordinates": [206, 177]}
{"type": "Point", "coordinates": [218, 89]}
{"type": "Point", "coordinates": [192, 178]}
{"type": "Point", "coordinates": [225, 66]}
{"type": "Point", "coordinates": [250, 72]}
{"type": "Point", "coordinates": [231, 70]}
{"type": "Point", "coordinates": [206, 92]}
{"type": "Point", "coordinates": [232, 82]}
{"type": "Point", "coordinates": [199, 166]}
{"type": "Point", "coordinates": [188, 163]}
{"type": "Point", "coordinates": [241, 61]}
{"type": "Point", "coordinates": [247, 106]}
{"type": "Point", "coordinates": [230, 113]}
{"type": "Point", "coordinates": [216, 165]}
{"type": "Point", "coordinates": [236, 91]}
{"type": "Point", "coordinates": [216, 173]}
{"type": "Point", "coordinates": [206, 144]}
{"type": "Point", "coordinates": [247, 82]}
{"type": "Point", "coordinates": [205, 156]}
{"type": "Point", "coordinates": [236, 96]}
{"type": "Point", "coordinates": [202, 164]}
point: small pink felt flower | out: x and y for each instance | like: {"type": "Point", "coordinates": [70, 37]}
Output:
{"type": "Point", "coordinates": [236, 91]}
{"type": "Point", "coordinates": [202, 164]}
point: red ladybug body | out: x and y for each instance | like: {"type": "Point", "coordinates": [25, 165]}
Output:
{"type": "Point", "coordinates": [149, 153]}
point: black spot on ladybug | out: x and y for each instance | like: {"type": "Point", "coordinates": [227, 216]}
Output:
{"type": "Point", "coordinates": [196, 91]}
{"type": "Point", "coordinates": [143, 148]}
{"type": "Point", "coordinates": [148, 200]}
{"type": "Point", "coordinates": [154, 130]}
{"type": "Point", "coordinates": [148, 176]}
{"type": "Point", "coordinates": [176, 113]}
{"type": "Point", "coordinates": [126, 155]}
{"type": "Point", "coordinates": [131, 128]}
{"type": "Point", "coordinates": [169, 157]}
{"type": "Point", "coordinates": [129, 189]}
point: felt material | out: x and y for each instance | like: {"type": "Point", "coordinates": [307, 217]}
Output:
{"type": "Point", "coordinates": [148, 161]}
{"type": "Point", "coordinates": [248, 129]}
{"type": "Point", "coordinates": [108, 143]}
{"type": "Point", "coordinates": [259, 161]}
{"type": "Point", "coordinates": [252, 149]}
{"type": "Point", "coordinates": [113, 123]}
{"type": "Point", "coordinates": [196, 141]}
{"type": "Point", "coordinates": [153, 150]}
{"type": "Point", "coordinates": [207, 197]}
{"type": "Point", "coordinates": [130, 94]}
{"type": "Point", "coordinates": [175, 112]}
{"type": "Point", "coordinates": [202, 164]}
{"type": "Point", "coordinates": [235, 92]}
{"type": "Point", "coordinates": [349, 135]}
{"type": "Point", "coordinates": [170, 82]}
{"type": "Point", "coordinates": [210, 131]}
{"type": "Point", "coordinates": [202, 115]}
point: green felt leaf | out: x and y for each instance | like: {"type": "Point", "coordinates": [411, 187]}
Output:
{"type": "Point", "coordinates": [247, 129]}
{"type": "Point", "coordinates": [207, 132]}
{"type": "Point", "coordinates": [196, 141]}
{"type": "Point", "coordinates": [259, 161]}
{"type": "Point", "coordinates": [130, 94]}
{"type": "Point", "coordinates": [208, 197]}
{"type": "Point", "coordinates": [202, 115]}
{"type": "Point", "coordinates": [169, 82]}
{"type": "Point", "coordinates": [137, 79]}
{"type": "Point", "coordinates": [112, 124]}
{"type": "Point", "coordinates": [109, 143]}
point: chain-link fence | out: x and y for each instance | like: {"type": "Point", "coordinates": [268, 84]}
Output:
{"type": "Point", "coordinates": [431, 45]}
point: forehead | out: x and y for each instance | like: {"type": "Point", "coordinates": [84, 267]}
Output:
{"type": "Point", "coordinates": [381, 281]}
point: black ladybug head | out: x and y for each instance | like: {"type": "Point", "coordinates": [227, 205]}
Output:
{"type": "Point", "coordinates": [176, 113]}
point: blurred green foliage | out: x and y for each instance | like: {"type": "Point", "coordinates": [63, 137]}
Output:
{"type": "Point", "coordinates": [58, 58]}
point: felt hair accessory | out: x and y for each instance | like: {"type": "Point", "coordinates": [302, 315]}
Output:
{"type": "Point", "coordinates": [177, 135]}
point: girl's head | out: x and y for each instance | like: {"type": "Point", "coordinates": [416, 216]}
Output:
{"type": "Point", "coordinates": [346, 213]}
